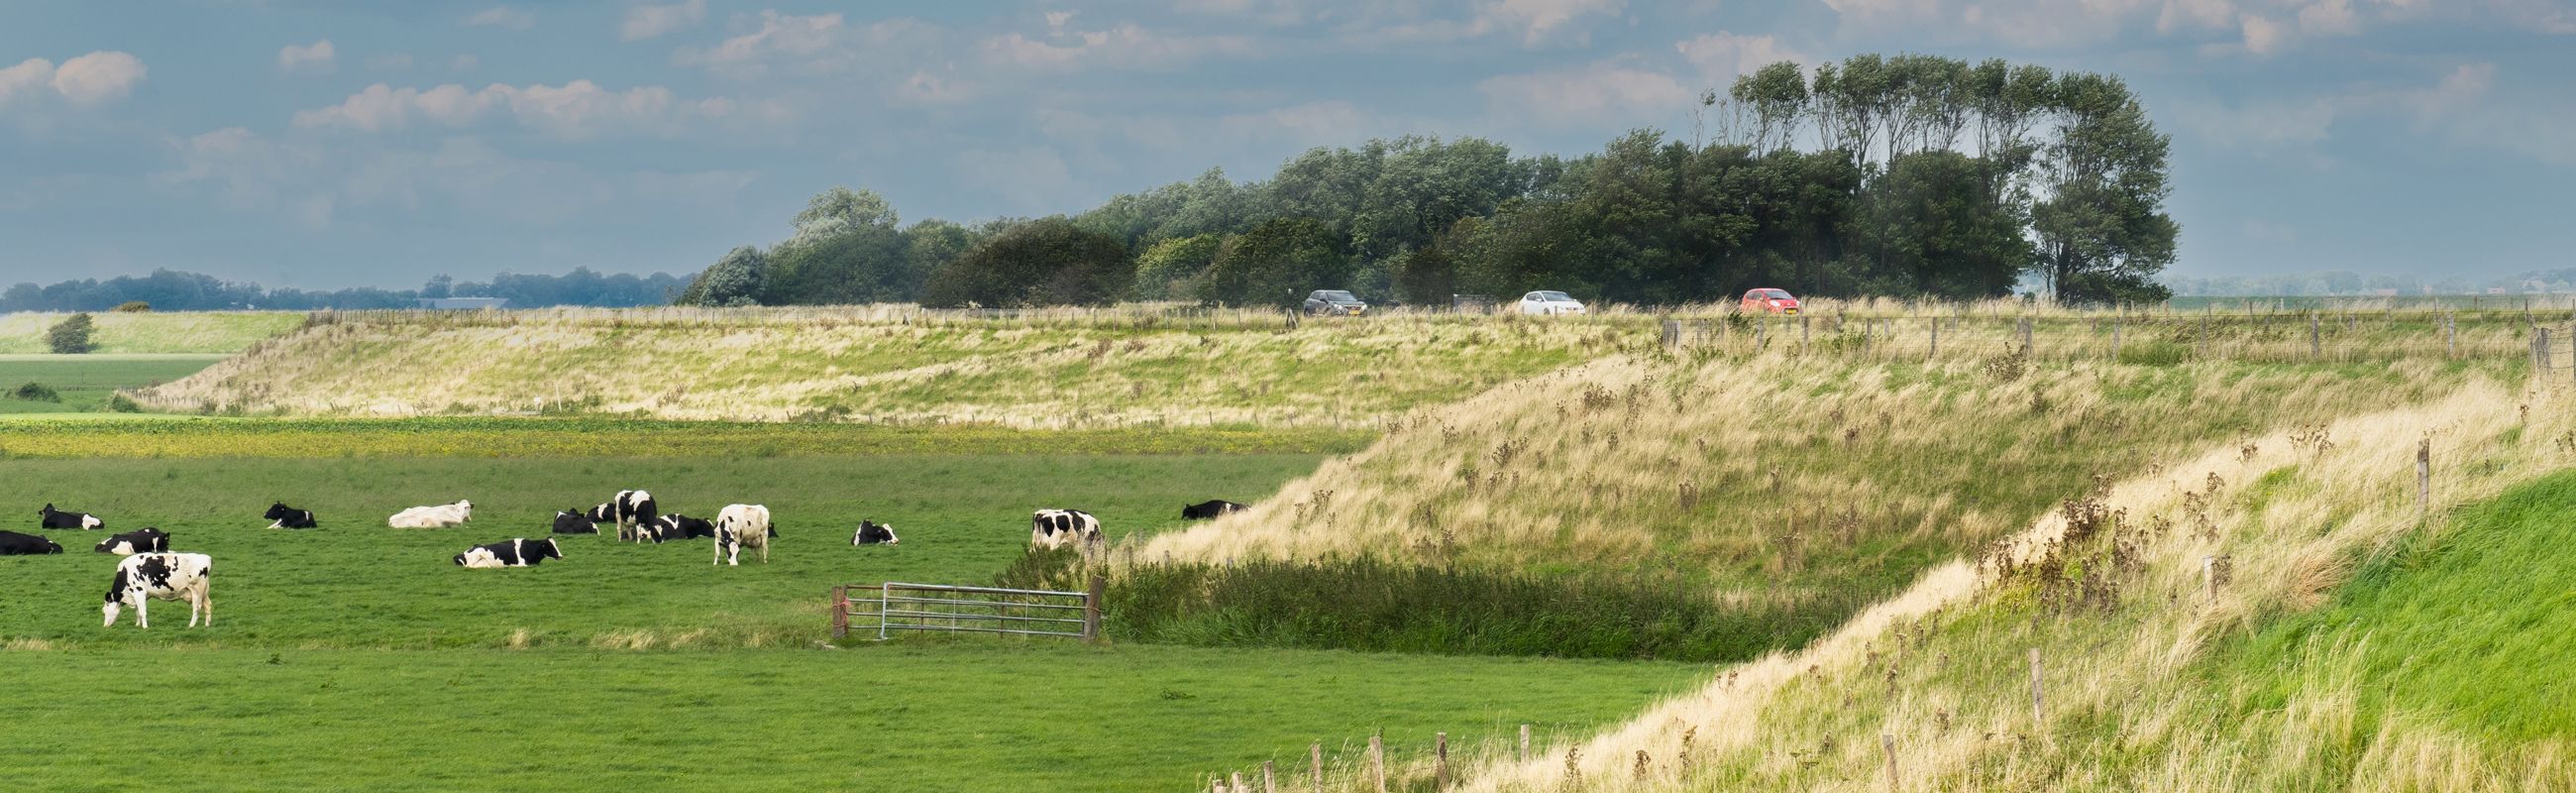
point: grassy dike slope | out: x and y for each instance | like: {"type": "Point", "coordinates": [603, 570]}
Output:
{"type": "Point", "coordinates": [2280, 679]}
{"type": "Point", "coordinates": [1113, 371]}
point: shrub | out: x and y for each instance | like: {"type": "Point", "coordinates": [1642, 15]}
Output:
{"type": "Point", "coordinates": [120, 403]}
{"type": "Point", "coordinates": [133, 307]}
{"type": "Point", "coordinates": [71, 336]}
{"type": "Point", "coordinates": [36, 392]}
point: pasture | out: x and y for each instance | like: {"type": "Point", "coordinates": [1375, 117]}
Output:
{"type": "Point", "coordinates": [192, 332]}
{"type": "Point", "coordinates": [84, 382]}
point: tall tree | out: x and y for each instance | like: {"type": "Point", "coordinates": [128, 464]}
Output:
{"type": "Point", "coordinates": [2103, 233]}
{"type": "Point", "coordinates": [1045, 262]}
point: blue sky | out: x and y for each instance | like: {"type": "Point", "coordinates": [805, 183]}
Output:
{"type": "Point", "coordinates": [333, 144]}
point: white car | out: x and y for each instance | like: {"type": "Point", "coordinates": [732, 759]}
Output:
{"type": "Point", "coordinates": [1550, 303]}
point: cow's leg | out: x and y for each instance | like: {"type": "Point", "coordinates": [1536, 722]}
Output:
{"type": "Point", "coordinates": [141, 621]}
{"type": "Point", "coordinates": [207, 596]}
{"type": "Point", "coordinates": [193, 607]}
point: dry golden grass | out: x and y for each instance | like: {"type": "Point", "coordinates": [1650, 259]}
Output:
{"type": "Point", "coordinates": [1939, 669]}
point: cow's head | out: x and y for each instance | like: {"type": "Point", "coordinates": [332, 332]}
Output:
{"type": "Point", "coordinates": [48, 510]}
{"type": "Point", "coordinates": [105, 546]}
{"type": "Point", "coordinates": [277, 511]}
{"type": "Point", "coordinates": [460, 560]}
{"type": "Point", "coordinates": [53, 547]}
{"type": "Point", "coordinates": [548, 550]}
{"type": "Point", "coordinates": [115, 598]}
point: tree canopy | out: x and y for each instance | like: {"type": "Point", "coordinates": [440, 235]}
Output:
{"type": "Point", "coordinates": [1907, 175]}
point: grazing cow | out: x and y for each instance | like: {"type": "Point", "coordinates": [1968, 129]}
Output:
{"type": "Point", "coordinates": [143, 540]}
{"type": "Point", "coordinates": [871, 533]}
{"type": "Point", "coordinates": [287, 517]}
{"type": "Point", "coordinates": [742, 525]}
{"type": "Point", "coordinates": [630, 510]}
{"type": "Point", "coordinates": [15, 544]}
{"type": "Point", "coordinates": [163, 576]}
{"type": "Point", "coordinates": [520, 552]}
{"type": "Point", "coordinates": [573, 522]}
{"type": "Point", "coordinates": [676, 526]}
{"type": "Point", "coordinates": [1053, 528]}
{"type": "Point", "coordinates": [1210, 510]}
{"type": "Point", "coordinates": [52, 518]}
{"type": "Point", "coordinates": [437, 517]}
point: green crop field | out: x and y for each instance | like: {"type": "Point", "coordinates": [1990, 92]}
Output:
{"type": "Point", "coordinates": [197, 332]}
{"type": "Point", "coordinates": [83, 383]}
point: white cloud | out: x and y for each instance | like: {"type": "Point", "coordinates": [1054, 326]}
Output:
{"type": "Point", "coordinates": [1537, 20]}
{"type": "Point", "coordinates": [778, 35]}
{"type": "Point", "coordinates": [503, 17]}
{"type": "Point", "coordinates": [2264, 36]}
{"type": "Point", "coordinates": [1588, 96]}
{"type": "Point", "coordinates": [578, 109]}
{"type": "Point", "coordinates": [85, 81]}
{"type": "Point", "coordinates": [316, 57]}
{"type": "Point", "coordinates": [1124, 45]}
{"type": "Point", "coordinates": [650, 21]}
{"type": "Point", "coordinates": [1722, 55]}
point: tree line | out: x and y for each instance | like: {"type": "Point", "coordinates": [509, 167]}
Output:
{"type": "Point", "coordinates": [1909, 176]}
{"type": "Point", "coordinates": [172, 290]}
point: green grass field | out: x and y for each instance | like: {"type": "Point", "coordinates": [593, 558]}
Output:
{"type": "Point", "coordinates": [357, 656]}
{"type": "Point", "coordinates": [84, 382]}
{"type": "Point", "coordinates": [967, 716]}
{"type": "Point", "coordinates": [199, 332]}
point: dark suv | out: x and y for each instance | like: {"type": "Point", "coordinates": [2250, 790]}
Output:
{"type": "Point", "coordinates": [1322, 302]}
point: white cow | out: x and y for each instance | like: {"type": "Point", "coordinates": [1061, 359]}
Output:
{"type": "Point", "coordinates": [437, 517]}
{"type": "Point", "coordinates": [742, 525]}
{"type": "Point", "coordinates": [1056, 528]}
{"type": "Point", "coordinates": [165, 576]}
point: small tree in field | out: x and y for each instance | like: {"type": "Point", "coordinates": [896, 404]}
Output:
{"type": "Point", "coordinates": [134, 307]}
{"type": "Point", "coordinates": [71, 336]}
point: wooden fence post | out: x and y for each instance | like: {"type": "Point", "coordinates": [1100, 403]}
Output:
{"type": "Point", "coordinates": [1091, 609]}
{"type": "Point", "coordinates": [1889, 742]}
{"type": "Point", "coordinates": [1377, 762]}
{"type": "Point", "coordinates": [2316, 342]}
{"type": "Point", "coordinates": [2200, 341]}
{"type": "Point", "coordinates": [1440, 761]}
{"type": "Point", "coordinates": [2038, 715]}
{"type": "Point", "coordinates": [2451, 325]}
{"type": "Point", "coordinates": [1269, 778]}
{"type": "Point", "coordinates": [2025, 335]}
{"type": "Point", "coordinates": [2540, 350]}
{"type": "Point", "coordinates": [2424, 478]}
{"type": "Point", "coordinates": [2115, 338]}
{"type": "Point", "coordinates": [840, 612]}
{"type": "Point", "coordinates": [1235, 780]}
{"type": "Point", "coordinates": [1802, 334]}
{"type": "Point", "coordinates": [1315, 766]}
{"type": "Point", "coordinates": [1936, 340]}
{"type": "Point", "coordinates": [1525, 732]}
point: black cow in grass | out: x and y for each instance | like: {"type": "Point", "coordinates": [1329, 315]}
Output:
{"type": "Point", "coordinates": [573, 522]}
{"type": "Point", "coordinates": [873, 533]}
{"type": "Point", "coordinates": [676, 526]}
{"type": "Point", "coordinates": [520, 552]}
{"type": "Point", "coordinates": [52, 518]}
{"type": "Point", "coordinates": [1210, 510]}
{"type": "Point", "coordinates": [286, 517]}
{"type": "Point", "coordinates": [15, 544]}
{"type": "Point", "coordinates": [143, 540]}
{"type": "Point", "coordinates": [629, 511]}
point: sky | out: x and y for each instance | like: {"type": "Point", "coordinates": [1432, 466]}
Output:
{"type": "Point", "coordinates": [325, 145]}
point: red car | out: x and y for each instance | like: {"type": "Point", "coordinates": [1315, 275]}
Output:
{"type": "Point", "coordinates": [1772, 301]}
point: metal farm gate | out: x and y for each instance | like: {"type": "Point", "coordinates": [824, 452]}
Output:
{"type": "Point", "coordinates": [894, 606]}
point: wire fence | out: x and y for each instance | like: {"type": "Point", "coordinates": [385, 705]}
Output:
{"type": "Point", "coordinates": [2152, 337]}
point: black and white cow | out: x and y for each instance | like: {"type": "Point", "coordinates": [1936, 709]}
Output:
{"type": "Point", "coordinates": [573, 522]}
{"type": "Point", "coordinates": [143, 540]}
{"type": "Point", "coordinates": [52, 518]}
{"type": "Point", "coordinates": [439, 516]}
{"type": "Point", "coordinates": [286, 517]}
{"type": "Point", "coordinates": [1210, 510]}
{"type": "Point", "coordinates": [741, 525]}
{"type": "Point", "coordinates": [162, 576]}
{"type": "Point", "coordinates": [872, 533]}
{"type": "Point", "coordinates": [521, 552]}
{"type": "Point", "coordinates": [15, 544]}
{"type": "Point", "coordinates": [1055, 528]}
{"type": "Point", "coordinates": [676, 526]}
{"type": "Point", "coordinates": [629, 511]}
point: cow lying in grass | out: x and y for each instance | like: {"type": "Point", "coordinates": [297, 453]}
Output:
{"type": "Point", "coordinates": [740, 526]}
{"type": "Point", "coordinates": [51, 518]}
{"type": "Point", "coordinates": [676, 526]}
{"type": "Point", "coordinates": [15, 544]}
{"type": "Point", "coordinates": [519, 552]}
{"type": "Point", "coordinates": [162, 576]}
{"type": "Point", "coordinates": [437, 517]}
{"type": "Point", "coordinates": [871, 533]}
{"type": "Point", "coordinates": [1210, 510]}
{"type": "Point", "coordinates": [286, 517]}
{"type": "Point", "coordinates": [573, 522]}
{"type": "Point", "coordinates": [143, 540]}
